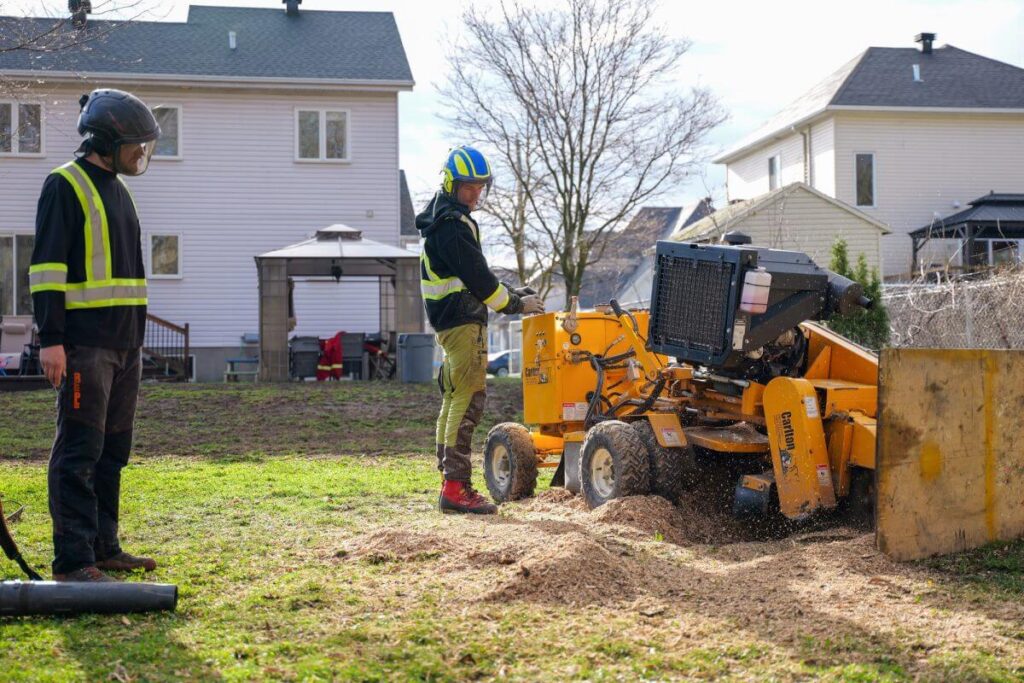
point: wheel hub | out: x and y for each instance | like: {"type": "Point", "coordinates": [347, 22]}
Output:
{"type": "Point", "coordinates": [502, 467]}
{"type": "Point", "coordinates": [602, 472]}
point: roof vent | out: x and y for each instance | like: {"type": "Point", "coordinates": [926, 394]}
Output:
{"type": "Point", "coordinates": [292, 7]}
{"type": "Point", "coordinates": [926, 40]}
{"type": "Point", "coordinates": [79, 10]}
{"type": "Point", "coordinates": [232, 40]}
{"type": "Point", "coordinates": [917, 73]}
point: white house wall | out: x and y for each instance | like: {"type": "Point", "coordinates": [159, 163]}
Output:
{"type": "Point", "coordinates": [238, 192]}
{"type": "Point", "coordinates": [823, 155]}
{"type": "Point", "coordinates": [748, 177]}
{"type": "Point", "coordinates": [924, 162]}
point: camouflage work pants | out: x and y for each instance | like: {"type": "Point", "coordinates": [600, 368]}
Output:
{"type": "Point", "coordinates": [463, 384]}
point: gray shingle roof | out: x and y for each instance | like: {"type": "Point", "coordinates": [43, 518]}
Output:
{"type": "Point", "coordinates": [993, 211]}
{"type": "Point", "coordinates": [883, 77]}
{"type": "Point", "coordinates": [335, 46]}
{"type": "Point", "coordinates": [408, 213]}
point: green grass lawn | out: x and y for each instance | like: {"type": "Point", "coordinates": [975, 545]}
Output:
{"type": "Point", "coordinates": [256, 526]}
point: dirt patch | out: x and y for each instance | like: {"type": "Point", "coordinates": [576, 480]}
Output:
{"type": "Point", "coordinates": [572, 569]}
{"type": "Point", "coordinates": [396, 546]}
{"type": "Point", "coordinates": [647, 557]}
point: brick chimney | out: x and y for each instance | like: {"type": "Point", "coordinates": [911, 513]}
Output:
{"type": "Point", "coordinates": [926, 40]}
{"type": "Point", "coordinates": [292, 7]}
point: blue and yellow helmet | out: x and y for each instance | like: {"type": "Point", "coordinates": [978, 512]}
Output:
{"type": "Point", "coordinates": [467, 165]}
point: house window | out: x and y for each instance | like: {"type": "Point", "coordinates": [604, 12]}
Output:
{"type": "Point", "coordinates": [165, 257]}
{"type": "Point", "coordinates": [321, 135]}
{"type": "Point", "coordinates": [21, 128]}
{"type": "Point", "coordinates": [774, 171]}
{"type": "Point", "coordinates": [865, 180]}
{"type": "Point", "coordinates": [168, 146]}
{"type": "Point", "coordinates": [15, 258]}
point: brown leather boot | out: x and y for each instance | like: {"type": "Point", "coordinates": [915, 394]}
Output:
{"type": "Point", "coordinates": [123, 562]}
{"type": "Point", "coordinates": [85, 575]}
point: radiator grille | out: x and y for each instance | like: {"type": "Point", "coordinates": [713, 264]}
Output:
{"type": "Point", "coordinates": [691, 304]}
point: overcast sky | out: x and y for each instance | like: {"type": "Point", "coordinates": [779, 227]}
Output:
{"type": "Point", "coordinates": [756, 56]}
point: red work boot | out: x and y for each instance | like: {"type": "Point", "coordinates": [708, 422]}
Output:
{"type": "Point", "coordinates": [457, 496]}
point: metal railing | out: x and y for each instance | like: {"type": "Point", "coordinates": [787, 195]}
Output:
{"type": "Point", "coordinates": [165, 351]}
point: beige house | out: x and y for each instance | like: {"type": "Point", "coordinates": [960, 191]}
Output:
{"type": "Point", "coordinates": [904, 135]}
{"type": "Point", "coordinates": [796, 217]}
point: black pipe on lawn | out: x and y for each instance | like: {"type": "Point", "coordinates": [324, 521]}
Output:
{"type": "Point", "coordinates": [20, 598]}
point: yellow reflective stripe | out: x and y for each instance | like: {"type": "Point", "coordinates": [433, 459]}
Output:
{"type": "Point", "coordinates": [106, 303]}
{"type": "Point", "coordinates": [97, 233]}
{"type": "Point", "coordinates": [46, 277]}
{"type": "Point", "coordinates": [498, 300]}
{"type": "Point", "coordinates": [81, 295]}
{"type": "Point", "coordinates": [425, 260]}
{"type": "Point", "coordinates": [47, 287]}
{"type": "Point", "coordinates": [439, 289]}
{"type": "Point", "coordinates": [41, 267]}
{"type": "Point", "coordinates": [462, 163]}
{"type": "Point", "coordinates": [472, 226]}
{"type": "Point", "coordinates": [114, 282]}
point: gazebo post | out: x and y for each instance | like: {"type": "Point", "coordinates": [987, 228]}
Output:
{"type": "Point", "coordinates": [273, 292]}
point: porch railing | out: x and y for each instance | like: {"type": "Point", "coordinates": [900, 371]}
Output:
{"type": "Point", "coordinates": [165, 351]}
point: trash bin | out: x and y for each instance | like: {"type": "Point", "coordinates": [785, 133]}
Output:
{"type": "Point", "coordinates": [416, 357]}
{"type": "Point", "coordinates": [305, 352]}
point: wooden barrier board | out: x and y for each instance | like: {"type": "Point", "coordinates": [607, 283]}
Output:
{"type": "Point", "coordinates": [950, 466]}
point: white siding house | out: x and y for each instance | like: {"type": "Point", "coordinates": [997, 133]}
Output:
{"type": "Point", "coordinates": [259, 152]}
{"type": "Point", "coordinates": [928, 129]}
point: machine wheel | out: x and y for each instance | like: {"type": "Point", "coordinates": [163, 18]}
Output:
{"type": "Point", "coordinates": [614, 463]}
{"type": "Point", "coordinates": [510, 462]}
{"type": "Point", "coordinates": [673, 470]}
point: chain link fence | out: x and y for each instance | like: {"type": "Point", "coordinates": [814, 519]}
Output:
{"type": "Point", "coordinates": [980, 314]}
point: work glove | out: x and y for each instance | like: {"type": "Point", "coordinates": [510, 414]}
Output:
{"type": "Point", "coordinates": [532, 304]}
{"type": "Point", "coordinates": [524, 291]}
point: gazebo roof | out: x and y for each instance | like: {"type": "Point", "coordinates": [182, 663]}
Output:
{"type": "Point", "coordinates": [991, 216]}
{"type": "Point", "coordinates": [343, 246]}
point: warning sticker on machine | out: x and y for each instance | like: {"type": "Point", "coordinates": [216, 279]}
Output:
{"type": "Point", "coordinates": [811, 404]}
{"type": "Point", "coordinates": [574, 412]}
{"type": "Point", "coordinates": [671, 437]}
{"type": "Point", "coordinates": [824, 478]}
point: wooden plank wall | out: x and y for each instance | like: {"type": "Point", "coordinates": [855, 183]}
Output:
{"type": "Point", "coordinates": [950, 450]}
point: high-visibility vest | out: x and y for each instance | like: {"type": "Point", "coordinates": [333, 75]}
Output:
{"type": "Point", "coordinates": [100, 288]}
{"type": "Point", "coordinates": [434, 287]}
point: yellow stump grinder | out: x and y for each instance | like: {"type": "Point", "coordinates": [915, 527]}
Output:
{"type": "Point", "coordinates": [728, 372]}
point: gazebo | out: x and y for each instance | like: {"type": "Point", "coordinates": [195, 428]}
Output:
{"type": "Point", "coordinates": [989, 231]}
{"type": "Point", "coordinates": [335, 251]}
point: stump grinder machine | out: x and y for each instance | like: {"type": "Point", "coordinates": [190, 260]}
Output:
{"type": "Point", "coordinates": [729, 371]}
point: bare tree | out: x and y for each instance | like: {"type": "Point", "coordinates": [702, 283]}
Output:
{"type": "Point", "coordinates": [589, 89]}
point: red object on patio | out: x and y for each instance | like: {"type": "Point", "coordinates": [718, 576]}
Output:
{"type": "Point", "coordinates": [329, 366]}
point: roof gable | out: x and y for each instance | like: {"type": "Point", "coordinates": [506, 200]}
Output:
{"type": "Point", "coordinates": [883, 77]}
{"type": "Point", "coordinates": [328, 46]}
{"type": "Point", "coordinates": [729, 217]}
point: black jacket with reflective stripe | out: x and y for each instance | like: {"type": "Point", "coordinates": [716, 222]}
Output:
{"type": "Point", "coordinates": [458, 286]}
{"type": "Point", "coordinates": [60, 239]}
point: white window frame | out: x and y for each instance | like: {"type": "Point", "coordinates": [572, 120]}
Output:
{"type": "Point", "coordinates": [150, 275]}
{"type": "Point", "coordinates": [14, 131]}
{"type": "Point", "coordinates": [778, 171]}
{"type": "Point", "coordinates": [322, 159]}
{"type": "Point", "coordinates": [14, 267]}
{"type": "Point", "coordinates": [181, 144]}
{"type": "Point", "coordinates": [874, 181]}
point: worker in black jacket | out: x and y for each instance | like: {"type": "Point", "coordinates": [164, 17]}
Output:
{"type": "Point", "coordinates": [458, 289]}
{"type": "Point", "coordinates": [89, 295]}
